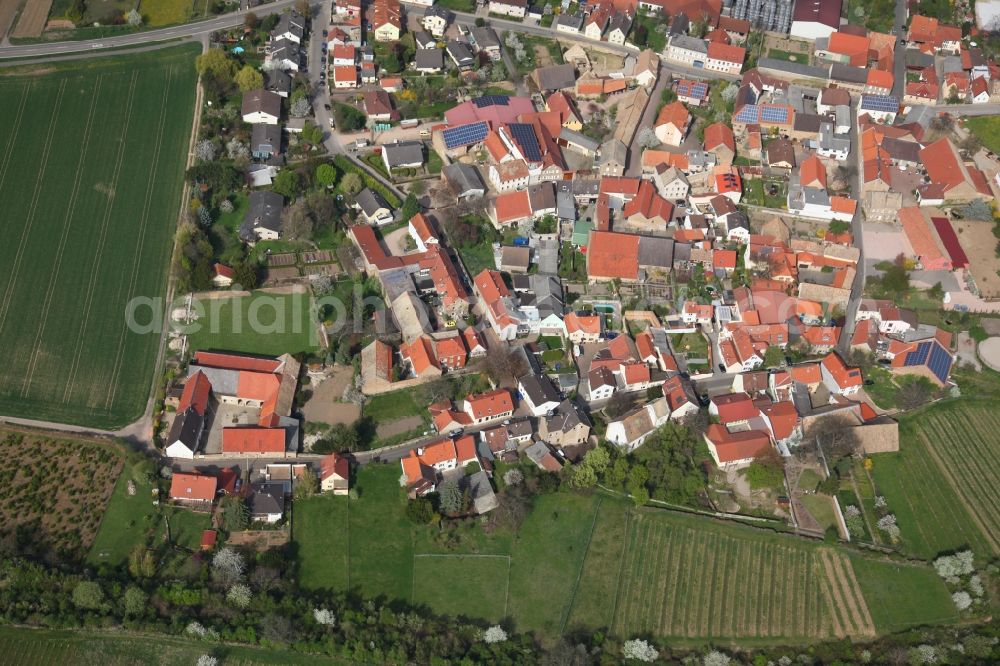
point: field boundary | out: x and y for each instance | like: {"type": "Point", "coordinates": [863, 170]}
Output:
{"type": "Point", "coordinates": [579, 574]}
{"type": "Point", "coordinates": [621, 568]}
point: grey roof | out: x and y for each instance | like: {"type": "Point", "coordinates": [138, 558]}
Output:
{"type": "Point", "coordinates": [286, 49]}
{"type": "Point", "coordinates": [951, 64]}
{"type": "Point", "coordinates": [807, 122]}
{"type": "Point", "coordinates": [567, 416]}
{"type": "Point", "coordinates": [264, 211]}
{"type": "Point", "coordinates": [622, 21]}
{"type": "Point", "coordinates": [571, 21]}
{"type": "Point", "coordinates": [614, 151]}
{"type": "Point", "coordinates": [879, 103]}
{"type": "Point", "coordinates": [556, 77]}
{"type": "Point", "coordinates": [542, 196]}
{"type": "Point", "coordinates": [586, 187]}
{"type": "Point", "coordinates": [539, 389]}
{"type": "Point", "coordinates": [403, 153]}
{"type": "Point", "coordinates": [186, 428]}
{"type": "Point", "coordinates": [656, 252]}
{"type": "Point", "coordinates": [689, 43]}
{"type": "Point", "coordinates": [799, 196]}
{"type": "Point", "coordinates": [464, 179]}
{"type": "Point", "coordinates": [898, 149]}
{"type": "Point", "coordinates": [680, 24]}
{"type": "Point", "coordinates": [579, 139]}
{"type": "Point", "coordinates": [484, 38]}
{"type": "Point", "coordinates": [261, 101]}
{"type": "Point", "coordinates": [265, 136]}
{"type": "Point", "coordinates": [370, 201]}
{"type": "Point", "coordinates": [830, 141]}
{"type": "Point", "coordinates": [565, 203]}
{"type": "Point", "coordinates": [223, 381]}
{"type": "Point", "coordinates": [461, 53]}
{"type": "Point", "coordinates": [267, 498]}
{"type": "Point", "coordinates": [539, 452]}
{"type": "Point", "coordinates": [440, 12]}
{"type": "Point", "coordinates": [481, 492]}
{"type": "Point", "coordinates": [548, 294]}
{"type": "Point", "coordinates": [277, 81]}
{"type": "Point", "coordinates": [424, 40]}
{"type": "Point", "coordinates": [682, 252]}
{"type": "Point", "coordinates": [696, 158]}
{"type": "Point", "coordinates": [841, 72]}
{"type": "Point", "coordinates": [515, 257]}
{"type": "Point", "coordinates": [430, 58]}
{"type": "Point", "coordinates": [917, 59]}
{"type": "Point", "coordinates": [292, 23]}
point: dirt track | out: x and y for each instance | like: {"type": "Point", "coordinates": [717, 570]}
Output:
{"type": "Point", "coordinates": [31, 23]}
{"type": "Point", "coordinates": [8, 8]}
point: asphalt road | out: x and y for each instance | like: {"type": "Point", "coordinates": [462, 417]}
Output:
{"type": "Point", "coordinates": [145, 37]}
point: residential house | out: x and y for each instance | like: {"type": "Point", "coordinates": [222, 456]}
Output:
{"type": "Point", "coordinates": [436, 20]}
{"type": "Point", "coordinates": [223, 276]}
{"type": "Point", "coordinates": [334, 474]}
{"type": "Point", "coordinates": [378, 106]}
{"type": "Point", "coordinates": [265, 141]}
{"type": "Point", "coordinates": [514, 8]}
{"type": "Point", "coordinates": [461, 54]}
{"type": "Point", "coordinates": [291, 26]}
{"type": "Point", "coordinates": [485, 40]}
{"type": "Point", "coordinates": [632, 430]}
{"type": "Point", "coordinates": [403, 155]}
{"type": "Point", "coordinates": [582, 328]}
{"type": "Point", "coordinates": [386, 20]}
{"type": "Point", "coordinates": [267, 502]}
{"type": "Point", "coordinates": [261, 106]}
{"type": "Point", "coordinates": [719, 139]}
{"type": "Point", "coordinates": [538, 393]}
{"type": "Point", "coordinates": [601, 383]}
{"type": "Point", "coordinates": [193, 490]}
{"type": "Point", "coordinates": [419, 355]}
{"type": "Point", "coordinates": [672, 124]}
{"type": "Point", "coordinates": [422, 468]}
{"type": "Point", "coordinates": [263, 218]}
{"type": "Point", "coordinates": [429, 61]}
{"type": "Point", "coordinates": [735, 450]}
{"type": "Point", "coordinates": [373, 207]}
{"type": "Point", "coordinates": [838, 378]}
{"type": "Point", "coordinates": [568, 425]}
{"type": "Point", "coordinates": [464, 180]}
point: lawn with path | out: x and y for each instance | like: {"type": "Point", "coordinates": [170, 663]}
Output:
{"type": "Point", "coordinates": [91, 176]}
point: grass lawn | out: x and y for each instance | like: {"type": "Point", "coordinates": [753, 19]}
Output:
{"type": "Point", "coordinates": [883, 391]}
{"type": "Point", "coordinates": [694, 344]}
{"type": "Point", "coordinates": [477, 257]}
{"type": "Point", "coordinates": [392, 406]}
{"type": "Point", "coordinates": [987, 128]}
{"type": "Point", "coordinates": [42, 647]}
{"type": "Point", "coordinates": [901, 596]}
{"type": "Point", "coordinates": [820, 507]}
{"type": "Point", "coordinates": [654, 39]}
{"type": "Point", "coordinates": [320, 533]}
{"type": "Point", "coordinates": [462, 585]}
{"type": "Point", "coordinates": [263, 323]}
{"type": "Point", "coordinates": [809, 479]}
{"type": "Point", "coordinates": [92, 199]}
{"type": "Point", "coordinates": [434, 162]}
{"type": "Point", "coordinates": [780, 198]}
{"type": "Point", "coordinates": [232, 221]}
{"type": "Point", "coordinates": [467, 6]}
{"type": "Point", "coordinates": [381, 559]}
{"type": "Point", "coordinates": [593, 605]}
{"type": "Point", "coordinates": [127, 519]}
{"type": "Point", "coordinates": [158, 13]}
{"type": "Point", "coordinates": [753, 192]}
{"type": "Point", "coordinates": [551, 547]}
{"type": "Point", "coordinates": [778, 54]}
{"type": "Point", "coordinates": [185, 526]}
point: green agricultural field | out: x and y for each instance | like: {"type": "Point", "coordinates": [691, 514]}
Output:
{"type": "Point", "coordinates": [91, 176]}
{"type": "Point", "coordinates": [902, 595]}
{"type": "Point", "coordinates": [473, 586]}
{"type": "Point", "coordinates": [263, 323]}
{"type": "Point", "coordinates": [320, 532]}
{"type": "Point", "coordinates": [43, 647]}
{"type": "Point", "coordinates": [987, 128]}
{"type": "Point", "coordinates": [940, 485]}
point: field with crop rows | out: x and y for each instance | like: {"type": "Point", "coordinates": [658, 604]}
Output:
{"type": "Point", "coordinates": [686, 581]}
{"type": "Point", "coordinates": [91, 174]}
{"type": "Point", "coordinates": [941, 485]}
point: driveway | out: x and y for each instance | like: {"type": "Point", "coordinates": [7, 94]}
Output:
{"type": "Point", "coordinates": [547, 257]}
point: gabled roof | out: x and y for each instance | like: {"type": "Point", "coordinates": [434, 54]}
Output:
{"type": "Point", "coordinates": [719, 134]}
{"type": "Point", "coordinates": [195, 394]}
{"type": "Point", "coordinates": [253, 439]}
{"type": "Point", "coordinates": [194, 487]}
{"type": "Point", "coordinates": [844, 376]}
{"type": "Point", "coordinates": [334, 464]}
{"type": "Point", "coordinates": [734, 407]}
{"type": "Point", "coordinates": [490, 404]}
{"type": "Point", "coordinates": [613, 255]}
{"type": "Point", "coordinates": [737, 446]}
{"type": "Point", "coordinates": [675, 114]}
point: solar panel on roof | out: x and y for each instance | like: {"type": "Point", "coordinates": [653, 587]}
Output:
{"type": "Point", "coordinates": [524, 134]}
{"type": "Point", "coordinates": [491, 100]}
{"type": "Point", "coordinates": [748, 114]}
{"type": "Point", "coordinates": [940, 362]}
{"type": "Point", "coordinates": [879, 103]}
{"type": "Point", "coordinates": [774, 114]}
{"type": "Point", "coordinates": [919, 355]}
{"type": "Point", "coordinates": [465, 135]}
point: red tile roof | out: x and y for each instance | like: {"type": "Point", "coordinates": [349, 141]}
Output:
{"type": "Point", "coordinates": [731, 447]}
{"type": "Point", "coordinates": [854, 47]}
{"type": "Point", "coordinates": [726, 53]}
{"type": "Point", "coordinates": [253, 439]}
{"type": "Point", "coordinates": [783, 418]}
{"type": "Point", "coordinates": [675, 114]}
{"type": "Point", "coordinates": [236, 362]}
{"type": "Point", "coordinates": [490, 404]}
{"type": "Point", "coordinates": [613, 255]}
{"type": "Point", "coordinates": [195, 487]}
{"type": "Point", "coordinates": [334, 464]}
{"type": "Point", "coordinates": [719, 134]}
{"type": "Point", "coordinates": [195, 394]}
{"type": "Point", "coordinates": [590, 324]}
{"type": "Point", "coordinates": [844, 376]}
{"type": "Point", "coordinates": [921, 238]}
{"type": "Point", "coordinates": [734, 407]}
{"type": "Point", "coordinates": [420, 354]}
{"type": "Point", "coordinates": [942, 163]}
{"type": "Point", "coordinates": [649, 204]}
{"type": "Point", "coordinates": [950, 240]}
{"type": "Point", "coordinates": [512, 206]}
{"type": "Point", "coordinates": [812, 173]}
